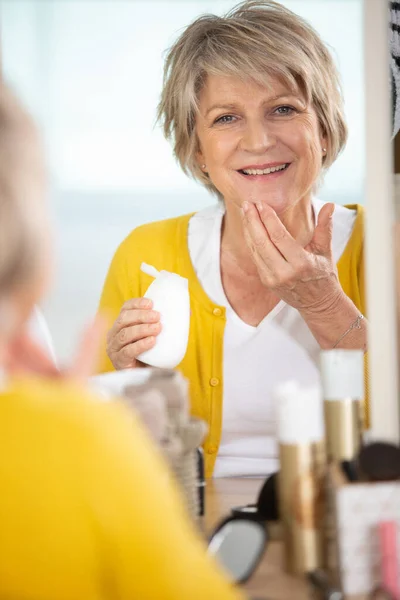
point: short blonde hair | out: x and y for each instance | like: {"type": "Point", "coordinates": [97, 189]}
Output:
{"type": "Point", "coordinates": [23, 215]}
{"type": "Point", "coordinates": [257, 40]}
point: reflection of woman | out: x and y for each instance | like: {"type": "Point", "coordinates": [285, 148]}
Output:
{"type": "Point", "coordinates": [86, 507]}
{"type": "Point", "coordinates": [251, 102]}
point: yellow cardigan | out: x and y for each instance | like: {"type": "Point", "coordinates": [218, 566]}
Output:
{"type": "Point", "coordinates": [88, 510]}
{"type": "Point", "coordinates": [164, 245]}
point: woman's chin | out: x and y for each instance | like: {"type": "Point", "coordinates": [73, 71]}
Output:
{"type": "Point", "coordinates": [280, 201]}
{"type": "Point", "coordinates": [279, 204]}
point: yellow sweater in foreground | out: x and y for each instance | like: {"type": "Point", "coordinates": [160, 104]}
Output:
{"type": "Point", "coordinates": [164, 245]}
{"type": "Point", "coordinates": [87, 510]}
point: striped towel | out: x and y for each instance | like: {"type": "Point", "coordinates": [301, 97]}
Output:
{"type": "Point", "coordinates": [394, 40]}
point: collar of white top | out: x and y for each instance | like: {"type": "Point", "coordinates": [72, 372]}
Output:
{"type": "Point", "coordinates": [343, 222]}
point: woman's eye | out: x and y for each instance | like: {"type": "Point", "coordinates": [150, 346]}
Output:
{"type": "Point", "coordinates": [285, 110]}
{"type": "Point", "coordinates": [225, 119]}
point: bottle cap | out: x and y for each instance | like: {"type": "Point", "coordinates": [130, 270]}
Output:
{"type": "Point", "coordinates": [299, 413]}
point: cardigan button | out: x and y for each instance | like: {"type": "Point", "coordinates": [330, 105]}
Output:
{"type": "Point", "coordinates": [217, 312]}
{"type": "Point", "coordinates": [212, 450]}
{"type": "Point", "coordinates": [214, 381]}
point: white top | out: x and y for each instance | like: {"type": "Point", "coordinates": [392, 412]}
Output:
{"type": "Point", "coordinates": [256, 359]}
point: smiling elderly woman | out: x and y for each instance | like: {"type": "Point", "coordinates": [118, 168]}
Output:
{"type": "Point", "coordinates": [252, 104]}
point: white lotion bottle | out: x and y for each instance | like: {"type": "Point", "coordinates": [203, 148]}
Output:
{"type": "Point", "coordinates": [170, 295]}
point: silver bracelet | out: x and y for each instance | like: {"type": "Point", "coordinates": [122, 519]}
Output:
{"type": "Point", "coordinates": [355, 325]}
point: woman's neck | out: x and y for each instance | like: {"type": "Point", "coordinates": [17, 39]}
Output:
{"type": "Point", "coordinates": [298, 220]}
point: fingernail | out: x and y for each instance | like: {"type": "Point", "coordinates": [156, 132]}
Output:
{"type": "Point", "coordinates": [150, 340]}
{"type": "Point", "coordinates": [259, 207]}
{"type": "Point", "coordinates": [245, 207]}
{"type": "Point", "coordinates": [144, 303]}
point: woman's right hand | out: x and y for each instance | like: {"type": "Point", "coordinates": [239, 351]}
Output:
{"type": "Point", "coordinates": [134, 331]}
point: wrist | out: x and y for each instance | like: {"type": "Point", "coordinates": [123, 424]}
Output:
{"type": "Point", "coordinates": [337, 324]}
{"type": "Point", "coordinates": [328, 307]}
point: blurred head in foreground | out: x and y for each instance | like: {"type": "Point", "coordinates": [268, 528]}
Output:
{"type": "Point", "coordinates": [25, 241]}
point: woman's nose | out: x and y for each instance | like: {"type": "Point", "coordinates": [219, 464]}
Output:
{"type": "Point", "coordinates": [257, 137]}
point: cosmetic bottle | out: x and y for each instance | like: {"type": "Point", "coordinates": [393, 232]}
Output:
{"type": "Point", "coordinates": [342, 373]}
{"type": "Point", "coordinates": [170, 295]}
{"type": "Point", "coordinates": [301, 476]}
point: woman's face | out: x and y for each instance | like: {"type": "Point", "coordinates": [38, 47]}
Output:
{"type": "Point", "coordinates": [259, 144]}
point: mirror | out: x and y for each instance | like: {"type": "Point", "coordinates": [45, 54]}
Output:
{"type": "Point", "coordinates": [238, 545]}
{"type": "Point", "coordinates": [79, 75]}
{"type": "Point", "coordinates": [79, 66]}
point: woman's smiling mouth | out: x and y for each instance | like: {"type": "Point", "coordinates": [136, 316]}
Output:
{"type": "Point", "coordinates": [264, 171]}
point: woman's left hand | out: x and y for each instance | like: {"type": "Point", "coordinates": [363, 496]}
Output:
{"type": "Point", "coordinates": [305, 278]}
{"type": "Point", "coordinates": [25, 356]}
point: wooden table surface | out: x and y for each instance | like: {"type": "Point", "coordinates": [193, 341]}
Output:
{"type": "Point", "coordinates": [269, 582]}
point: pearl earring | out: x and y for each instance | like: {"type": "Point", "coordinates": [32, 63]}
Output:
{"type": "Point", "coordinates": [203, 167]}
{"type": "Point", "coordinates": [324, 150]}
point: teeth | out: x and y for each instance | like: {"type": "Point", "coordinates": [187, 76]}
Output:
{"type": "Point", "coordinates": [264, 171]}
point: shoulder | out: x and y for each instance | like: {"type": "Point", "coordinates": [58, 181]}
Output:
{"type": "Point", "coordinates": [64, 403]}
{"type": "Point", "coordinates": [75, 423]}
{"type": "Point", "coordinates": [163, 244]}
{"type": "Point", "coordinates": [157, 243]}
{"type": "Point", "coordinates": [348, 221]}
{"type": "Point", "coordinates": [353, 253]}
{"type": "Point", "coordinates": [357, 235]}
{"type": "Point", "coordinates": [157, 232]}
{"type": "Point", "coordinates": [358, 210]}
{"type": "Point", "coordinates": [151, 243]}
{"type": "Point", "coordinates": [97, 441]}
{"type": "Point", "coordinates": [348, 228]}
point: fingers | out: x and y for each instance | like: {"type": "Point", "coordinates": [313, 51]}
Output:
{"type": "Point", "coordinates": [321, 242]}
{"type": "Point", "coordinates": [258, 237]}
{"type": "Point", "coordinates": [133, 316]}
{"type": "Point", "coordinates": [134, 303]}
{"type": "Point", "coordinates": [126, 357]}
{"type": "Point", "coordinates": [280, 237]}
{"type": "Point", "coordinates": [134, 333]}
